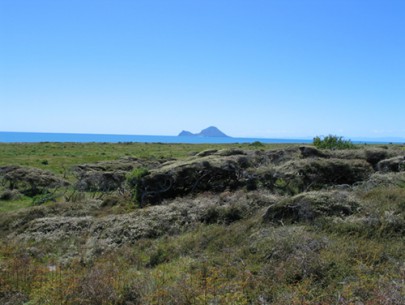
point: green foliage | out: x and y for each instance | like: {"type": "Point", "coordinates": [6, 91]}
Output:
{"type": "Point", "coordinates": [332, 142]}
{"type": "Point", "coordinates": [62, 156]}
{"type": "Point", "coordinates": [256, 144]}
{"type": "Point", "coordinates": [159, 256]}
{"type": "Point", "coordinates": [227, 255]}
{"type": "Point", "coordinates": [134, 181]}
{"type": "Point", "coordinates": [16, 204]}
{"type": "Point", "coordinates": [241, 263]}
{"type": "Point", "coordinates": [43, 198]}
{"type": "Point", "coordinates": [136, 175]}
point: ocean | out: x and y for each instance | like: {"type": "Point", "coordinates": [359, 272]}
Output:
{"type": "Point", "coordinates": [35, 137]}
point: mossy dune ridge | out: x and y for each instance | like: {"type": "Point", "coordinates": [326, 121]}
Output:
{"type": "Point", "coordinates": [197, 224]}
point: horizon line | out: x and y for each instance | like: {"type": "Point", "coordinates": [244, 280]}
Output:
{"type": "Point", "coordinates": [354, 138]}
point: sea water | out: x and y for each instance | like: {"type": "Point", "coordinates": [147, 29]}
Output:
{"type": "Point", "coordinates": [34, 137]}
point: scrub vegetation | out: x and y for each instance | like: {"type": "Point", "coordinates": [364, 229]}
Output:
{"type": "Point", "coordinates": [134, 223]}
{"type": "Point", "coordinates": [332, 142]}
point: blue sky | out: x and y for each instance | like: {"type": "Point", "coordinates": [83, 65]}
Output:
{"type": "Point", "coordinates": [257, 68]}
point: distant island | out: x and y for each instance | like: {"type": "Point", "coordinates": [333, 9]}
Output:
{"type": "Point", "coordinates": [211, 131]}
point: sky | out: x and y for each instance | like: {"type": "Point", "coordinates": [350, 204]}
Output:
{"type": "Point", "coordinates": [252, 68]}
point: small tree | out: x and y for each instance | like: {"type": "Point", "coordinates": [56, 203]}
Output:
{"type": "Point", "coordinates": [332, 142]}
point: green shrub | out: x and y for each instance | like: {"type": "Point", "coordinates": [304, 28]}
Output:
{"type": "Point", "coordinates": [134, 176]}
{"type": "Point", "coordinates": [158, 256]}
{"type": "Point", "coordinates": [332, 142]}
{"type": "Point", "coordinates": [256, 144]}
{"type": "Point", "coordinates": [134, 179]}
{"type": "Point", "coordinates": [43, 198]}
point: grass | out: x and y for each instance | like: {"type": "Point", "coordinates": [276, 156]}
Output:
{"type": "Point", "coordinates": [8, 206]}
{"type": "Point", "coordinates": [226, 265]}
{"type": "Point", "coordinates": [244, 261]}
{"type": "Point", "coordinates": [59, 157]}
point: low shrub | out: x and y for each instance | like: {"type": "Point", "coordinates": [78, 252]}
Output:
{"type": "Point", "coordinates": [43, 198]}
{"type": "Point", "coordinates": [332, 142]}
{"type": "Point", "coordinates": [10, 195]}
{"type": "Point", "coordinates": [134, 179]}
{"type": "Point", "coordinates": [256, 144]}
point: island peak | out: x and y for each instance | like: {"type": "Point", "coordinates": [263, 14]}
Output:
{"type": "Point", "coordinates": [211, 131]}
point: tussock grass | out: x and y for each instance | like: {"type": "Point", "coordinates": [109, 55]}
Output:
{"type": "Point", "coordinates": [339, 244]}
